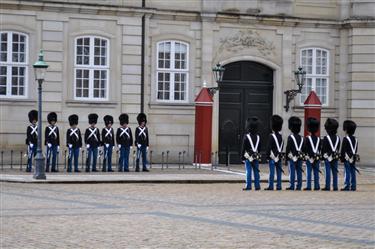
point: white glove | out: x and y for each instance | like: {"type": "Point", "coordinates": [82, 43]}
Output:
{"type": "Point", "coordinates": [70, 146]}
{"type": "Point", "coordinates": [87, 146]}
{"type": "Point", "coordinates": [49, 145]}
{"type": "Point", "coordinates": [107, 145]}
{"type": "Point", "coordinates": [147, 148]}
{"type": "Point", "coordinates": [31, 145]}
{"type": "Point", "coordinates": [119, 146]}
{"type": "Point", "coordinates": [58, 148]}
{"type": "Point", "coordinates": [131, 147]}
{"type": "Point", "coordinates": [139, 146]}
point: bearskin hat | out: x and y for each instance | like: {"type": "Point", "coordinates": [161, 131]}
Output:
{"type": "Point", "coordinates": [108, 119]}
{"type": "Point", "coordinates": [124, 119]}
{"type": "Point", "coordinates": [33, 115]}
{"type": "Point", "coordinates": [331, 126]}
{"type": "Point", "coordinates": [294, 124]}
{"type": "Point", "coordinates": [52, 116]}
{"type": "Point", "coordinates": [141, 118]}
{"type": "Point", "coordinates": [73, 119]}
{"type": "Point", "coordinates": [252, 124]}
{"type": "Point", "coordinates": [313, 125]}
{"type": "Point", "coordinates": [349, 126]}
{"type": "Point", "coordinates": [276, 123]}
{"type": "Point", "coordinates": [93, 118]}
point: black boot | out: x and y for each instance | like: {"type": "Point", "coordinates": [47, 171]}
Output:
{"type": "Point", "coordinates": [136, 169]}
{"type": "Point", "coordinates": [145, 170]}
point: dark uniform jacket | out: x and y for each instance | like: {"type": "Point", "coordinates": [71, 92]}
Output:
{"type": "Point", "coordinates": [94, 139]}
{"type": "Point", "coordinates": [272, 146]}
{"type": "Point", "coordinates": [141, 137]}
{"type": "Point", "coordinates": [246, 147]}
{"type": "Point", "coordinates": [31, 136]}
{"type": "Point", "coordinates": [52, 136]}
{"type": "Point", "coordinates": [73, 139]}
{"type": "Point", "coordinates": [290, 146]}
{"type": "Point", "coordinates": [346, 148]}
{"type": "Point", "coordinates": [108, 138]}
{"type": "Point", "coordinates": [308, 150]}
{"type": "Point", "coordinates": [123, 138]}
{"type": "Point", "coordinates": [326, 147]}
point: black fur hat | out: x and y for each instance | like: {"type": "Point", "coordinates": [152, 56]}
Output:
{"type": "Point", "coordinates": [73, 119]}
{"type": "Point", "coordinates": [349, 126]}
{"type": "Point", "coordinates": [313, 125]}
{"type": "Point", "coordinates": [331, 126]}
{"type": "Point", "coordinates": [294, 124]}
{"type": "Point", "coordinates": [252, 124]}
{"type": "Point", "coordinates": [276, 123]}
{"type": "Point", "coordinates": [124, 119]}
{"type": "Point", "coordinates": [33, 115]}
{"type": "Point", "coordinates": [141, 118]}
{"type": "Point", "coordinates": [93, 118]}
{"type": "Point", "coordinates": [52, 116]}
{"type": "Point", "coordinates": [108, 119]}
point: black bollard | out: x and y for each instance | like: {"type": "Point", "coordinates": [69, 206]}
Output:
{"type": "Point", "coordinates": [162, 160]}
{"type": "Point", "coordinates": [167, 159]}
{"type": "Point", "coordinates": [65, 159]}
{"type": "Point", "coordinates": [2, 160]}
{"type": "Point", "coordinates": [11, 159]}
{"type": "Point", "coordinates": [134, 158]}
{"type": "Point", "coordinates": [82, 160]}
{"type": "Point", "coordinates": [21, 160]}
{"type": "Point", "coordinates": [179, 160]}
{"type": "Point", "coordinates": [150, 159]}
{"type": "Point", "coordinates": [212, 161]}
{"type": "Point", "coordinates": [183, 159]}
{"type": "Point", "coordinates": [216, 162]}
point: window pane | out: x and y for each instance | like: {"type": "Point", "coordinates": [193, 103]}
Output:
{"type": "Point", "coordinates": [3, 80]}
{"type": "Point", "coordinates": [321, 89]}
{"type": "Point", "coordinates": [164, 55]}
{"type": "Point", "coordinates": [306, 89]}
{"type": "Point", "coordinates": [3, 47]}
{"type": "Point", "coordinates": [179, 86]}
{"type": "Point", "coordinates": [163, 86]}
{"type": "Point", "coordinates": [100, 83]}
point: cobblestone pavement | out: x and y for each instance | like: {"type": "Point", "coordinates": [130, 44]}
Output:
{"type": "Point", "coordinates": [184, 216]}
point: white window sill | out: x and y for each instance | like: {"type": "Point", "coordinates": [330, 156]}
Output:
{"type": "Point", "coordinates": [166, 105]}
{"type": "Point", "coordinates": [73, 103]}
{"type": "Point", "coordinates": [17, 101]}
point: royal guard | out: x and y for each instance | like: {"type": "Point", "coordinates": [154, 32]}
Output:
{"type": "Point", "coordinates": [330, 152]}
{"type": "Point", "coordinates": [124, 139]}
{"type": "Point", "coordinates": [52, 141]}
{"type": "Point", "coordinates": [31, 138]}
{"type": "Point", "coordinates": [349, 156]}
{"type": "Point", "coordinates": [92, 141]}
{"type": "Point", "coordinates": [250, 152]}
{"type": "Point", "coordinates": [274, 152]}
{"type": "Point", "coordinates": [73, 142]}
{"type": "Point", "coordinates": [141, 141]}
{"type": "Point", "coordinates": [312, 147]}
{"type": "Point", "coordinates": [294, 153]}
{"type": "Point", "coordinates": [108, 139]}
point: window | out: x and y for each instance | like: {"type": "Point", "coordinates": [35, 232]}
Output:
{"type": "Point", "coordinates": [13, 64]}
{"type": "Point", "coordinates": [172, 71]}
{"type": "Point", "coordinates": [91, 68]}
{"type": "Point", "coordinates": [315, 62]}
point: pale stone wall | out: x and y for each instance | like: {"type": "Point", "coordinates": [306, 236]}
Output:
{"type": "Point", "coordinates": [282, 28]}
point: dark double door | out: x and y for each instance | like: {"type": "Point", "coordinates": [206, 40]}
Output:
{"type": "Point", "coordinates": [246, 90]}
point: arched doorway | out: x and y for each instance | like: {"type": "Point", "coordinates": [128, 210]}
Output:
{"type": "Point", "coordinates": [246, 90]}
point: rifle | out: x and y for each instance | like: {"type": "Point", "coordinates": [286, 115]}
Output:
{"type": "Point", "coordinates": [57, 159]}
{"type": "Point", "coordinates": [280, 167]}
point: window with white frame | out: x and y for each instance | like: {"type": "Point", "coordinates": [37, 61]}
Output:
{"type": "Point", "coordinates": [13, 64]}
{"type": "Point", "coordinates": [91, 70]}
{"type": "Point", "coordinates": [315, 62]}
{"type": "Point", "coordinates": [172, 71]}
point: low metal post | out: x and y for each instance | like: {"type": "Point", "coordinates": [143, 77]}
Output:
{"type": "Point", "coordinates": [227, 156]}
{"type": "Point", "coordinates": [162, 160]}
{"type": "Point", "coordinates": [150, 159]}
{"type": "Point", "coordinates": [11, 159]}
{"type": "Point", "coordinates": [179, 160]}
{"type": "Point", "coordinates": [216, 162]}
{"type": "Point", "coordinates": [228, 165]}
{"type": "Point", "coordinates": [134, 159]}
{"type": "Point", "coordinates": [2, 160]}
{"type": "Point", "coordinates": [212, 161]}
{"type": "Point", "coordinates": [183, 159]}
{"type": "Point", "coordinates": [167, 163]}
{"type": "Point", "coordinates": [65, 159]}
{"type": "Point", "coordinates": [21, 160]}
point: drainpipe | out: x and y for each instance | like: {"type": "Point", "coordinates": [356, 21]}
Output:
{"type": "Point", "coordinates": [143, 59]}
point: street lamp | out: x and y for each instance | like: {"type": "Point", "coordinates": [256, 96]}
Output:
{"type": "Point", "coordinates": [300, 77]}
{"type": "Point", "coordinates": [218, 72]}
{"type": "Point", "coordinates": [40, 68]}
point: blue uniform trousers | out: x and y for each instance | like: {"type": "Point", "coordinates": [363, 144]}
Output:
{"type": "Point", "coordinates": [350, 181]}
{"type": "Point", "coordinates": [124, 158]}
{"type": "Point", "coordinates": [107, 160]}
{"type": "Point", "coordinates": [295, 167]}
{"type": "Point", "coordinates": [253, 166]}
{"type": "Point", "coordinates": [73, 155]}
{"type": "Point", "coordinates": [51, 154]}
{"type": "Point", "coordinates": [312, 167]}
{"type": "Point", "coordinates": [271, 179]}
{"type": "Point", "coordinates": [31, 152]}
{"type": "Point", "coordinates": [91, 152]}
{"type": "Point", "coordinates": [142, 151]}
{"type": "Point", "coordinates": [331, 166]}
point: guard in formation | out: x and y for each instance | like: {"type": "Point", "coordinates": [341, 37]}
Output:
{"type": "Point", "coordinates": [93, 141]}
{"type": "Point", "coordinates": [310, 150]}
{"type": "Point", "coordinates": [52, 141]}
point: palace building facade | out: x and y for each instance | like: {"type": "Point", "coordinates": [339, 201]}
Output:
{"type": "Point", "coordinates": [127, 56]}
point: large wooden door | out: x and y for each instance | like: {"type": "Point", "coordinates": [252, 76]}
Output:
{"type": "Point", "coordinates": [246, 90]}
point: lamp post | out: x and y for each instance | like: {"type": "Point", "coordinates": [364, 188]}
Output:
{"type": "Point", "coordinates": [218, 72]}
{"type": "Point", "coordinates": [300, 77]}
{"type": "Point", "coordinates": [40, 68]}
